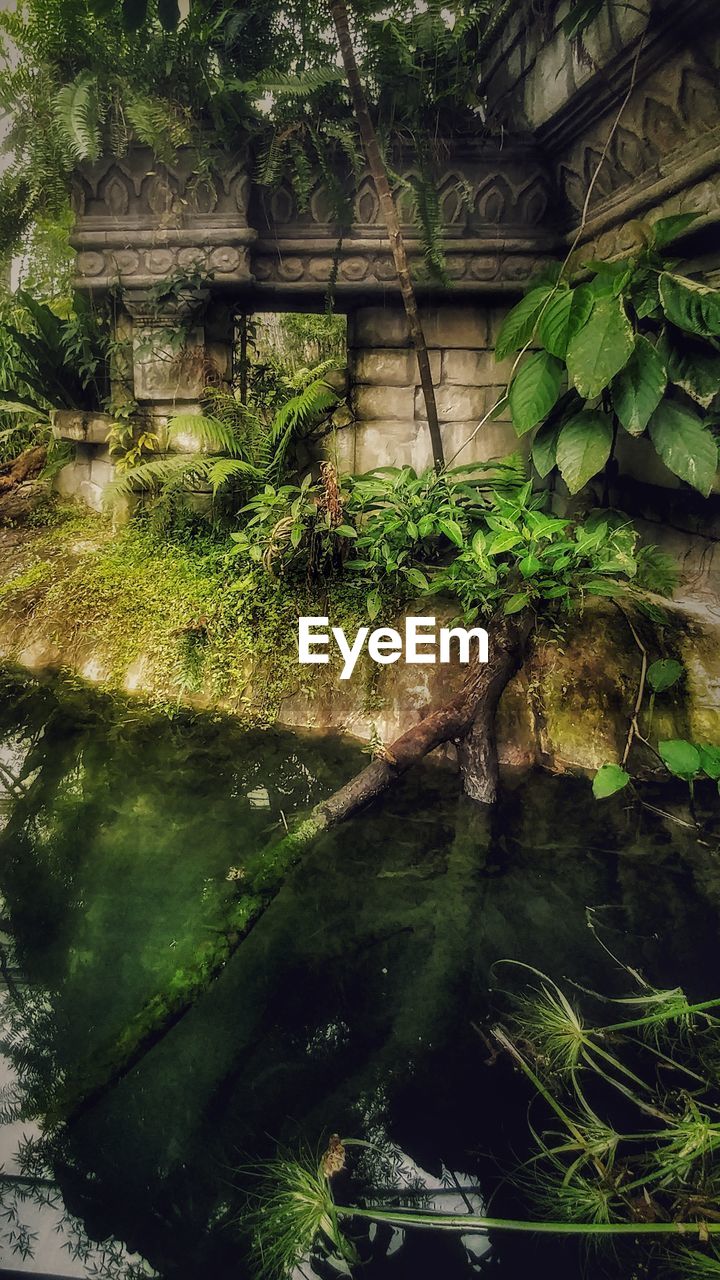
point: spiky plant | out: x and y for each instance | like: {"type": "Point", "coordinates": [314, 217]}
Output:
{"type": "Point", "coordinates": [292, 1214]}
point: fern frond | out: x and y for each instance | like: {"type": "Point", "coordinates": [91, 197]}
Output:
{"type": "Point", "coordinates": [211, 433]}
{"type": "Point", "coordinates": [300, 413]}
{"type": "Point", "coordinates": [77, 112]}
{"type": "Point", "coordinates": [161, 125]}
{"type": "Point", "coordinates": [305, 377]}
{"type": "Point", "coordinates": [283, 84]}
{"type": "Point", "coordinates": [226, 469]}
{"type": "Point", "coordinates": [176, 470]}
{"type": "Point", "coordinates": [656, 571]}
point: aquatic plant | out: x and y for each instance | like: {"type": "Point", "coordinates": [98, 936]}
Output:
{"type": "Point", "coordinates": [590, 1175]}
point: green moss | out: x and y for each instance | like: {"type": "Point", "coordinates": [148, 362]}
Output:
{"type": "Point", "coordinates": [200, 622]}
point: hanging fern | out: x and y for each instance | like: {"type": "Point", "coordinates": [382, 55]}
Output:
{"type": "Point", "coordinates": [77, 111]}
{"type": "Point", "coordinates": [163, 126]}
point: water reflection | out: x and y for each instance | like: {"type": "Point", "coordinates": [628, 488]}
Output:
{"type": "Point", "coordinates": [349, 1008]}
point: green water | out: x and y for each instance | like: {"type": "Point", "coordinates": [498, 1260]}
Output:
{"type": "Point", "coordinates": [349, 1008]}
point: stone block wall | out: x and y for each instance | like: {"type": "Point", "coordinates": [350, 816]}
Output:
{"type": "Point", "coordinates": [87, 476]}
{"type": "Point", "coordinates": [390, 427]}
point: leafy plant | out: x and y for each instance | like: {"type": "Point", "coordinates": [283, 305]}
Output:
{"type": "Point", "coordinates": [294, 525]}
{"type": "Point", "coordinates": [626, 347]}
{"type": "Point", "coordinates": [231, 449]}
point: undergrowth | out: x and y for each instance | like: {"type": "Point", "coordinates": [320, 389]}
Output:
{"type": "Point", "coordinates": [166, 611]}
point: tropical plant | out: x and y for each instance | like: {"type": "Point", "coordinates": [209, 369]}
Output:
{"type": "Point", "coordinates": [51, 361]}
{"type": "Point", "coordinates": [297, 525]}
{"type": "Point", "coordinates": [627, 1143]}
{"type": "Point", "coordinates": [232, 449]}
{"type": "Point", "coordinates": [408, 525]}
{"type": "Point", "coordinates": [626, 348]}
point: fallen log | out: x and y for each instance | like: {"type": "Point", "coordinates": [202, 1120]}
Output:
{"type": "Point", "coordinates": [468, 720]}
{"type": "Point", "coordinates": [27, 466]}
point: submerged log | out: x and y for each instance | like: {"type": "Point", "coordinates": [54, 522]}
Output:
{"type": "Point", "coordinates": [468, 719]}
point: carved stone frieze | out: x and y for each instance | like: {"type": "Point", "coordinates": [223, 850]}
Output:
{"type": "Point", "coordinates": [669, 130]}
{"type": "Point", "coordinates": [138, 222]}
{"type": "Point", "coordinates": [506, 203]}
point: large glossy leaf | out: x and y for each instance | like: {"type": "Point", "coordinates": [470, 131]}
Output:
{"type": "Point", "coordinates": [681, 758]}
{"type": "Point", "coordinates": [583, 448]}
{"type": "Point", "coordinates": [684, 445]}
{"type": "Point", "coordinates": [666, 229]}
{"type": "Point", "coordinates": [663, 674]}
{"type": "Point", "coordinates": [710, 760]}
{"type": "Point", "coordinates": [691, 306]}
{"type": "Point", "coordinates": [563, 318]}
{"type": "Point", "coordinates": [693, 365]}
{"type": "Point", "coordinates": [520, 323]}
{"type": "Point", "coordinates": [544, 448]}
{"type": "Point", "coordinates": [639, 387]}
{"type": "Point", "coordinates": [601, 348]}
{"type": "Point", "coordinates": [534, 390]}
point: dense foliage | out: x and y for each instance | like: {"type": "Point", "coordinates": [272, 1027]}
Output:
{"type": "Point", "coordinates": [626, 348]}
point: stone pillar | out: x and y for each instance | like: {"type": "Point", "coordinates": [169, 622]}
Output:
{"type": "Point", "coordinates": [179, 347]}
{"type": "Point", "coordinates": [390, 423]}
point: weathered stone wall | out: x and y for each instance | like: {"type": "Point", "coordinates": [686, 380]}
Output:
{"type": "Point", "coordinates": [390, 423]}
{"type": "Point", "coordinates": [641, 97]}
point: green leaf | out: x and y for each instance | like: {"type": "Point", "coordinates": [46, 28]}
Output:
{"type": "Point", "coordinates": [684, 445]}
{"type": "Point", "coordinates": [520, 323]}
{"type": "Point", "coordinates": [710, 760]}
{"type": "Point", "coordinates": [544, 448]}
{"type": "Point", "coordinates": [504, 541]}
{"type": "Point", "coordinates": [345, 531]}
{"type": "Point", "coordinates": [666, 229]}
{"type": "Point", "coordinates": [602, 348]}
{"type": "Point", "coordinates": [530, 565]}
{"type": "Point", "coordinates": [516, 602]}
{"type": "Point", "coordinates": [452, 530]}
{"type": "Point", "coordinates": [639, 387]}
{"type": "Point", "coordinates": [693, 365]}
{"type": "Point", "coordinates": [681, 758]}
{"type": "Point", "coordinates": [563, 318]}
{"type": "Point", "coordinates": [417, 578]}
{"type": "Point", "coordinates": [21, 406]}
{"type": "Point", "coordinates": [534, 390]}
{"type": "Point", "coordinates": [609, 779]}
{"type": "Point", "coordinates": [373, 604]}
{"type": "Point", "coordinates": [582, 13]}
{"type": "Point", "coordinates": [478, 544]}
{"type": "Point", "coordinates": [602, 587]}
{"type": "Point", "coordinates": [691, 306]}
{"type": "Point", "coordinates": [663, 674]}
{"type": "Point", "coordinates": [583, 448]}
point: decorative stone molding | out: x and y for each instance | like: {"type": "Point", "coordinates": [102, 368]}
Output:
{"type": "Point", "coordinates": [139, 222]}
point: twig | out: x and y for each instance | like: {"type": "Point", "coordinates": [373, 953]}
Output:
{"type": "Point", "coordinates": [634, 729]}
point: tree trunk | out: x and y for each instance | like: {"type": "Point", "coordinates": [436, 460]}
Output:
{"type": "Point", "coordinates": [376, 164]}
{"type": "Point", "coordinates": [470, 714]}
